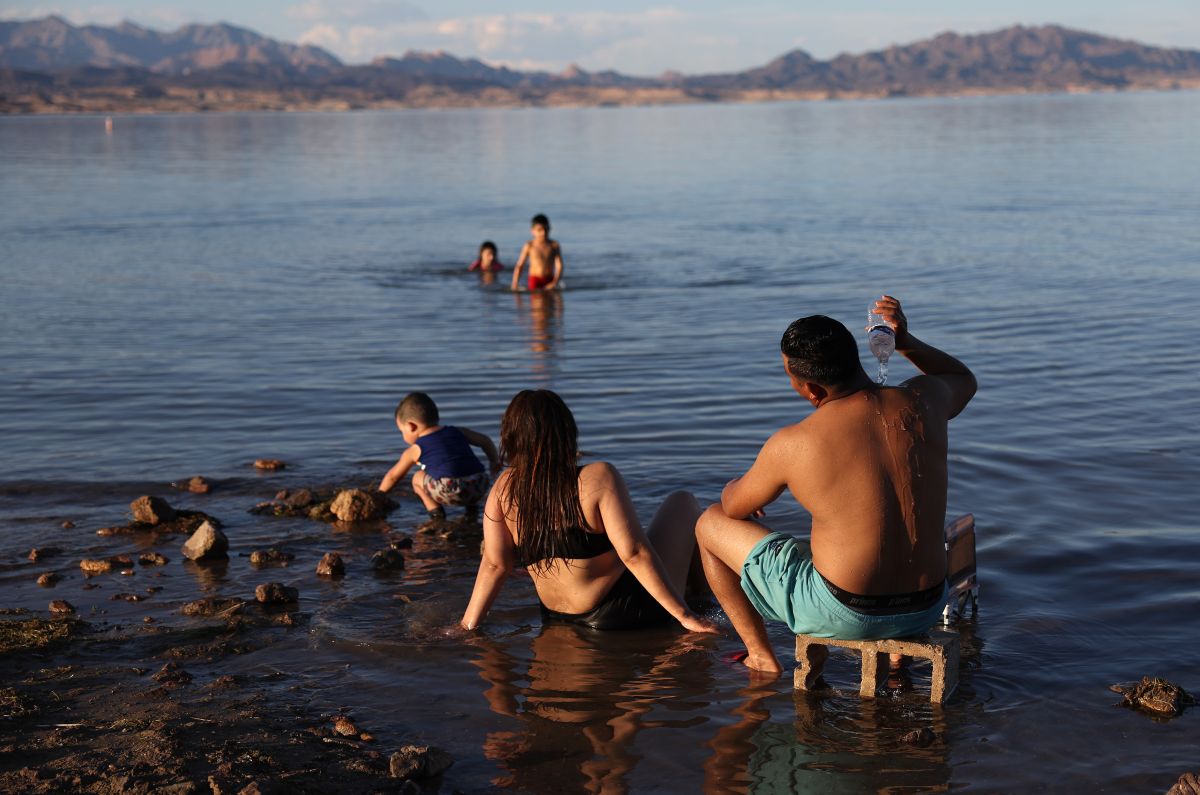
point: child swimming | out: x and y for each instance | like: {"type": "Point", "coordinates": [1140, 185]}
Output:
{"type": "Point", "coordinates": [544, 256]}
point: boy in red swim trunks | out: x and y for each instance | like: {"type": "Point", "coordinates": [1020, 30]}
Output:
{"type": "Point", "coordinates": [449, 471]}
{"type": "Point", "coordinates": [544, 255]}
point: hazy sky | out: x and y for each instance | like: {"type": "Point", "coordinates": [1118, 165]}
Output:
{"type": "Point", "coordinates": [696, 36]}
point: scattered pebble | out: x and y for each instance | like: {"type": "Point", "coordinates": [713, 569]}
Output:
{"type": "Point", "coordinates": [68, 525]}
{"type": "Point", "coordinates": [212, 606]}
{"type": "Point", "coordinates": [274, 593]}
{"type": "Point", "coordinates": [47, 580]}
{"type": "Point", "coordinates": [331, 565]}
{"type": "Point", "coordinates": [207, 543]}
{"type": "Point", "coordinates": [198, 485]}
{"type": "Point", "coordinates": [41, 553]}
{"type": "Point", "coordinates": [344, 726]}
{"type": "Point", "coordinates": [171, 674]}
{"type": "Point", "coordinates": [151, 510]}
{"type": "Point", "coordinates": [414, 762]}
{"type": "Point", "coordinates": [388, 559]}
{"type": "Point", "coordinates": [61, 607]}
{"type": "Point", "coordinates": [269, 464]}
{"type": "Point", "coordinates": [92, 566]}
{"type": "Point", "coordinates": [366, 738]}
{"type": "Point", "coordinates": [152, 559]}
{"type": "Point", "coordinates": [128, 597]}
{"type": "Point", "coordinates": [260, 558]}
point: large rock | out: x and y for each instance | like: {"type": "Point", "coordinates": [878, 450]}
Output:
{"type": "Point", "coordinates": [1188, 784]}
{"type": "Point", "coordinates": [274, 593]}
{"type": "Point", "coordinates": [331, 565]}
{"type": "Point", "coordinates": [151, 510]}
{"type": "Point", "coordinates": [414, 762]}
{"type": "Point", "coordinates": [207, 543]}
{"type": "Point", "coordinates": [356, 505]}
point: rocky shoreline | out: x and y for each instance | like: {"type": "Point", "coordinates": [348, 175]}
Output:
{"type": "Point", "coordinates": [53, 100]}
{"type": "Point", "coordinates": [157, 703]}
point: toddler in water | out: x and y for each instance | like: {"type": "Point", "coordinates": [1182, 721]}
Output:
{"type": "Point", "coordinates": [449, 472]}
{"type": "Point", "coordinates": [488, 260]}
{"type": "Point", "coordinates": [544, 256]}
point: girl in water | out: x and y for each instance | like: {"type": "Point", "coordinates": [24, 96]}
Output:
{"type": "Point", "coordinates": [575, 529]}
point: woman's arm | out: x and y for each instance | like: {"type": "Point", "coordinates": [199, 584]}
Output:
{"type": "Point", "coordinates": [635, 550]}
{"type": "Point", "coordinates": [497, 562]}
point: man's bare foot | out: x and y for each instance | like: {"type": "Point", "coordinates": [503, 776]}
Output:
{"type": "Point", "coordinates": [766, 664]}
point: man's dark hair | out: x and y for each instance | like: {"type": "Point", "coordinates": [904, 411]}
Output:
{"type": "Point", "coordinates": [541, 220]}
{"type": "Point", "coordinates": [821, 350]}
{"type": "Point", "coordinates": [487, 245]}
{"type": "Point", "coordinates": [417, 406]}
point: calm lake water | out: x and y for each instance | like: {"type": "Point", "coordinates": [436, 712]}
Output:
{"type": "Point", "coordinates": [194, 292]}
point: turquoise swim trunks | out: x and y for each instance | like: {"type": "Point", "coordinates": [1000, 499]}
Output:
{"type": "Point", "coordinates": [783, 585]}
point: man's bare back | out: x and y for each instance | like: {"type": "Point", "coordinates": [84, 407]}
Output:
{"type": "Point", "coordinates": [870, 467]}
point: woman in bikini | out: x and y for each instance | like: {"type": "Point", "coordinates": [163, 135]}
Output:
{"type": "Point", "coordinates": [575, 529]}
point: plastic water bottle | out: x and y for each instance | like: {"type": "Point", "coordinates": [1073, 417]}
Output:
{"type": "Point", "coordinates": [882, 342]}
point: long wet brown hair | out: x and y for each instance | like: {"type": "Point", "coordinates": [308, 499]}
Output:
{"type": "Point", "coordinates": [539, 442]}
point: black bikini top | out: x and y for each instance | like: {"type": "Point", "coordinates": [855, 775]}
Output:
{"type": "Point", "coordinates": [578, 544]}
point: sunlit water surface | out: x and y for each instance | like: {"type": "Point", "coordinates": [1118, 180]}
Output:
{"type": "Point", "coordinates": [194, 292]}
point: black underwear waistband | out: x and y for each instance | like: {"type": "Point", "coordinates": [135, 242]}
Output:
{"type": "Point", "coordinates": [890, 604]}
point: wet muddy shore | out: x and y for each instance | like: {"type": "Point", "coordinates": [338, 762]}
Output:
{"type": "Point", "coordinates": [135, 679]}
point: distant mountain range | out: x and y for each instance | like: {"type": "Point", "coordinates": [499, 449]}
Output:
{"type": "Point", "coordinates": [49, 65]}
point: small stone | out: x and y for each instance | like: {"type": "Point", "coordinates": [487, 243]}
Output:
{"type": "Point", "coordinates": [128, 597]}
{"type": "Point", "coordinates": [344, 726]}
{"type": "Point", "coordinates": [147, 619]}
{"type": "Point", "coordinates": [1188, 784]}
{"type": "Point", "coordinates": [106, 532]}
{"type": "Point", "coordinates": [47, 580]}
{"type": "Point", "coordinates": [920, 738]}
{"type": "Point", "coordinates": [366, 738]}
{"type": "Point", "coordinates": [402, 543]}
{"type": "Point", "coordinates": [152, 559]}
{"type": "Point", "coordinates": [92, 566]}
{"type": "Point", "coordinates": [151, 510]}
{"type": "Point", "coordinates": [331, 565]}
{"type": "Point", "coordinates": [356, 505]}
{"type": "Point", "coordinates": [61, 607]}
{"type": "Point", "coordinates": [211, 606]}
{"type": "Point", "coordinates": [68, 525]}
{"type": "Point", "coordinates": [221, 682]}
{"type": "Point", "coordinates": [414, 762]}
{"type": "Point", "coordinates": [171, 674]}
{"type": "Point", "coordinates": [274, 593]}
{"type": "Point", "coordinates": [285, 620]}
{"type": "Point", "coordinates": [41, 553]}
{"type": "Point", "coordinates": [250, 789]}
{"type": "Point", "coordinates": [198, 485]}
{"type": "Point", "coordinates": [207, 543]}
{"type": "Point", "coordinates": [269, 464]}
{"type": "Point", "coordinates": [261, 558]}
{"type": "Point", "coordinates": [300, 498]}
{"type": "Point", "coordinates": [387, 560]}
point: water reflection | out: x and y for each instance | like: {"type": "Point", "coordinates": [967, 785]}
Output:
{"type": "Point", "coordinates": [545, 308]}
{"type": "Point", "coordinates": [579, 710]}
{"type": "Point", "coordinates": [827, 742]}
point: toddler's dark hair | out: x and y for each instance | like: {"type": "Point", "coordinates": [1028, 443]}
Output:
{"type": "Point", "coordinates": [417, 406]}
{"type": "Point", "coordinates": [541, 220]}
{"type": "Point", "coordinates": [487, 245]}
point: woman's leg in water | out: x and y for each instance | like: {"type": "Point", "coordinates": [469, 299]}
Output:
{"type": "Point", "coordinates": [672, 533]}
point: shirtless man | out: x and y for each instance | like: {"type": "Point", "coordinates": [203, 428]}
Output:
{"type": "Point", "coordinates": [544, 255]}
{"type": "Point", "coordinates": [870, 466]}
